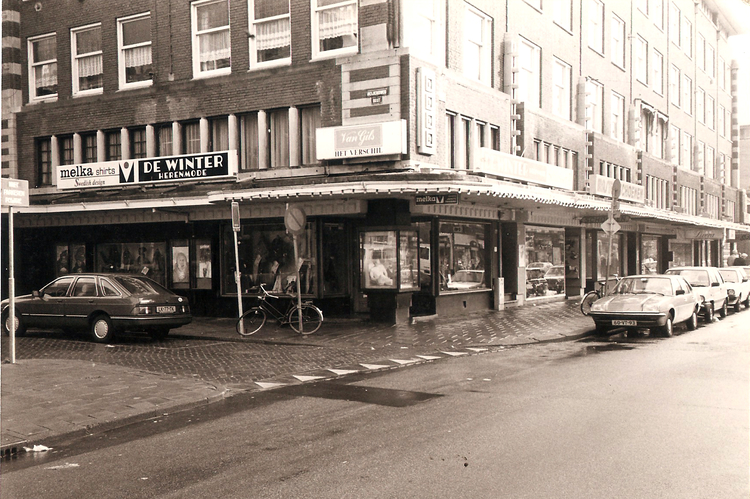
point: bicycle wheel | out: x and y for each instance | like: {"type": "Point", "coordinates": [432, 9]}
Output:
{"type": "Point", "coordinates": [588, 299]}
{"type": "Point", "coordinates": [312, 318]}
{"type": "Point", "coordinates": [251, 321]}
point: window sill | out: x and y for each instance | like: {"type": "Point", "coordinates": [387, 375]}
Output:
{"type": "Point", "coordinates": [567, 30]}
{"type": "Point", "coordinates": [621, 68]}
{"type": "Point", "coordinates": [596, 51]}
{"type": "Point", "coordinates": [332, 54]}
{"type": "Point", "coordinates": [211, 74]}
{"type": "Point", "coordinates": [42, 100]}
{"type": "Point", "coordinates": [135, 86]}
{"type": "Point", "coordinates": [87, 93]}
{"type": "Point", "coordinates": [259, 66]}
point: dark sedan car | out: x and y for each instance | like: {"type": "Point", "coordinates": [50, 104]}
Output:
{"type": "Point", "coordinates": [101, 304]}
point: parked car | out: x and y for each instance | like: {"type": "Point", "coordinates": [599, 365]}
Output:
{"type": "Point", "coordinates": [738, 286]}
{"type": "Point", "coordinates": [536, 284]}
{"type": "Point", "coordinates": [467, 279]}
{"type": "Point", "coordinates": [101, 304]}
{"type": "Point", "coordinates": [652, 301]}
{"type": "Point", "coordinates": [555, 277]}
{"type": "Point", "coordinates": [711, 287]}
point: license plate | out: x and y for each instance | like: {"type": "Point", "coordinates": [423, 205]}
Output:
{"type": "Point", "coordinates": [624, 323]}
{"type": "Point", "coordinates": [169, 309]}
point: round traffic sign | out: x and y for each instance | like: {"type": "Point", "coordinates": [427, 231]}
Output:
{"type": "Point", "coordinates": [295, 219]}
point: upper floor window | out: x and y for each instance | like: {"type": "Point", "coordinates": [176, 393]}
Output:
{"type": "Point", "coordinates": [657, 13]}
{"type": "Point", "coordinates": [686, 155]}
{"type": "Point", "coordinates": [164, 140]}
{"type": "Point", "coordinates": [43, 67]}
{"type": "Point", "coordinates": [249, 142]}
{"type": "Point", "coordinates": [86, 49]}
{"type": "Point", "coordinates": [596, 25]}
{"type": "Point", "coordinates": [700, 52]}
{"type": "Point", "coordinates": [138, 143]}
{"type": "Point", "coordinates": [700, 105]}
{"type": "Point", "coordinates": [477, 54]}
{"type": "Point", "coordinates": [658, 70]}
{"type": "Point", "coordinates": [721, 70]}
{"type": "Point", "coordinates": [191, 137]}
{"type": "Point", "coordinates": [618, 42]}
{"type": "Point", "coordinates": [211, 42]}
{"type": "Point", "coordinates": [642, 6]}
{"type": "Point", "coordinates": [529, 74]}
{"type": "Point", "coordinates": [687, 36]}
{"type": "Point", "coordinates": [562, 13]}
{"type": "Point", "coordinates": [674, 85]}
{"type": "Point", "coordinates": [67, 154]}
{"type": "Point", "coordinates": [44, 161]}
{"type": "Point", "coordinates": [134, 62]}
{"type": "Point", "coordinates": [710, 61]}
{"type": "Point", "coordinates": [271, 26]}
{"type": "Point", "coordinates": [617, 124]}
{"type": "Point", "coordinates": [687, 94]}
{"type": "Point", "coordinates": [89, 147]}
{"type": "Point", "coordinates": [309, 121]}
{"type": "Point", "coordinates": [278, 137]}
{"type": "Point", "coordinates": [334, 27]}
{"type": "Point", "coordinates": [424, 34]}
{"type": "Point", "coordinates": [641, 59]}
{"type": "Point", "coordinates": [113, 145]}
{"type": "Point", "coordinates": [218, 138]}
{"type": "Point", "coordinates": [674, 23]}
{"type": "Point", "coordinates": [710, 111]}
{"type": "Point", "coordinates": [594, 105]}
{"type": "Point", "coordinates": [561, 89]}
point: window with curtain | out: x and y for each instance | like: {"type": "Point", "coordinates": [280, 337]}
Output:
{"type": "Point", "coordinates": [529, 74]}
{"type": "Point", "coordinates": [309, 122]}
{"type": "Point", "coordinates": [335, 27]}
{"type": "Point", "coordinates": [278, 137]}
{"type": "Point", "coordinates": [134, 38]}
{"type": "Point", "coordinates": [219, 134]}
{"type": "Point", "coordinates": [450, 140]}
{"type": "Point", "coordinates": [477, 47]}
{"type": "Point", "coordinates": [65, 143]}
{"type": "Point", "coordinates": [561, 89]}
{"type": "Point", "coordinates": [87, 59]}
{"type": "Point", "coordinates": [138, 143]}
{"type": "Point", "coordinates": [44, 161]}
{"type": "Point", "coordinates": [164, 140]}
{"type": "Point", "coordinates": [249, 155]}
{"type": "Point", "coordinates": [271, 24]}
{"type": "Point", "coordinates": [43, 67]}
{"type": "Point", "coordinates": [113, 143]}
{"type": "Point", "coordinates": [89, 148]}
{"type": "Point", "coordinates": [211, 41]}
{"type": "Point", "coordinates": [191, 133]}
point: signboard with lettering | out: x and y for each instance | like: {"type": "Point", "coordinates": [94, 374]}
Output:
{"type": "Point", "coordinates": [704, 234]}
{"type": "Point", "coordinates": [516, 167]}
{"type": "Point", "coordinates": [189, 167]}
{"type": "Point", "coordinates": [436, 199]}
{"type": "Point", "coordinates": [603, 186]}
{"type": "Point", "coordinates": [376, 139]}
{"type": "Point", "coordinates": [14, 192]}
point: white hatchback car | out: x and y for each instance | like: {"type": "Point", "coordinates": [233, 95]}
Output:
{"type": "Point", "coordinates": [709, 284]}
{"type": "Point", "coordinates": [738, 286]}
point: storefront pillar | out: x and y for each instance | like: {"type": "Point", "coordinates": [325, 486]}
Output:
{"type": "Point", "coordinates": [389, 307]}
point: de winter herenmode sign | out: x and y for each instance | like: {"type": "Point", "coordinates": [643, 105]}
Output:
{"type": "Point", "coordinates": [189, 167]}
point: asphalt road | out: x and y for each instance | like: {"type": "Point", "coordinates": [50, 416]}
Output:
{"type": "Point", "coordinates": [629, 417]}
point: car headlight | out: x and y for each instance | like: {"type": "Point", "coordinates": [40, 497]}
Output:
{"type": "Point", "coordinates": [651, 307]}
{"type": "Point", "coordinates": [597, 307]}
{"type": "Point", "coordinates": [144, 310]}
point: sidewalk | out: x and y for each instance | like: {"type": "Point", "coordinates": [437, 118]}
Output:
{"type": "Point", "coordinates": [61, 388]}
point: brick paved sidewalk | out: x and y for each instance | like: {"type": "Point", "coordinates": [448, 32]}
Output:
{"type": "Point", "coordinates": [62, 385]}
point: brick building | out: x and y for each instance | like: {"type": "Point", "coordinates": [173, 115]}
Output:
{"type": "Point", "coordinates": [449, 156]}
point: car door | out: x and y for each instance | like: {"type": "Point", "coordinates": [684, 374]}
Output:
{"type": "Point", "coordinates": [49, 309]}
{"type": "Point", "coordinates": [82, 300]}
{"type": "Point", "coordinates": [683, 300]}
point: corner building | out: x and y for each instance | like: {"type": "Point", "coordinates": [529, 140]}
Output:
{"type": "Point", "coordinates": [447, 156]}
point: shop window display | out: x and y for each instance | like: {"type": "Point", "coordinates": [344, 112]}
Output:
{"type": "Point", "coordinates": [602, 249]}
{"type": "Point", "coordinates": [70, 259]}
{"type": "Point", "coordinates": [148, 259]}
{"type": "Point", "coordinates": [682, 254]}
{"type": "Point", "coordinates": [389, 259]}
{"type": "Point", "coordinates": [649, 254]}
{"type": "Point", "coordinates": [266, 257]}
{"type": "Point", "coordinates": [462, 256]}
{"type": "Point", "coordinates": [545, 261]}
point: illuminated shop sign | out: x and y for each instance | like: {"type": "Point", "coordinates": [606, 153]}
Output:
{"type": "Point", "coordinates": [516, 167]}
{"type": "Point", "coordinates": [375, 139]}
{"type": "Point", "coordinates": [602, 186]}
{"type": "Point", "coordinates": [189, 167]}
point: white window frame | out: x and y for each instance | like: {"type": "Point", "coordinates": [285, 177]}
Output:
{"type": "Point", "coordinates": [700, 105]}
{"type": "Point", "coordinates": [658, 13]}
{"type": "Point", "coordinates": [530, 73]}
{"type": "Point", "coordinates": [700, 52]}
{"type": "Point", "coordinates": [710, 60]}
{"type": "Point", "coordinates": [596, 26]}
{"type": "Point", "coordinates": [686, 154]}
{"type": "Point", "coordinates": [710, 112]}
{"type": "Point", "coordinates": [674, 134]}
{"type": "Point", "coordinates": [675, 23]}
{"type": "Point", "coordinates": [642, 5]}
{"type": "Point", "coordinates": [686, 37]}
{"type": "Point", "coordinates": [196, 35]}
{"type": "Point", "coordinates": [687, 94]}
{"type": "Point", "coordinates": [39, 65]}
{"type": "Point", "coordinates": [721, 73]}
{"type": "Point", "coordinates": [617, 124]}
{"type": "Point", "coordinates": [315, 12]}
{"type": "Point", "coordinates": [257, 36]}
{"type": "Point", "coordinates": [561, 88]}
{"type": "Point", "coordinates": [617, 47]}
{"type": "Point", "coordinates": [710, 162]}
{"type": "Point", "coordinates": [675, 80]}
{"type": "Point", "coordinates": [657, 63]}
{"type": "Point", "coordinates": [121, 48]}
{"type": "Point", "coordinates": [482, 45]}
{"type": "Point", "coordinates": [641, 59]}
{"type": "Point", "coordinates": [722, 118]}
{"type": "Point", "coordinates": [425, 35]}
{"type": "Point", "coordinates": [701, 159]}
{"type": "Point", "coordinates": [74, 32]}
{"type": "Point", "coordinates": [562, 14]}
{"type": "Point", "coordinates": [594, 105]}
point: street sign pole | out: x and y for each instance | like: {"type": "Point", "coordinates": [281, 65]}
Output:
{"type": "Point", "coordinates": [12, 286]}
{"type": "Point", "coordinates": [237, 273]}
{"type": "Point", "coordinates": [295, 220]}
{"type": "Point", "coordinates": [614, 227]}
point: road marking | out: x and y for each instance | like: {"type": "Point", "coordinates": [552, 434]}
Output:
{"type": "Point", "coordinates": [341, 372]}
{"type": "Point", "coordinates": [308, 378]}
{"type": "Point", "coordinates": [373, 366]}
{"type": "Point", "coordinates": [266, 386]}
{"type": "Point", "coordinates": [403, 362]}
{"type": "Point", "coordinates": [429, 357]}
{"type": "Point", "coordinates": [454, 354]}
{"type": "Point", "coordinates": [477, 349]}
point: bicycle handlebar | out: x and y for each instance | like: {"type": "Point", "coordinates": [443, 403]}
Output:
{"type": "Point", "coordinates": [266, 293]}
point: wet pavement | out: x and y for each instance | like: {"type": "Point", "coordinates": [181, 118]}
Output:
{"type": "Point", "coordinates": [63, 385]}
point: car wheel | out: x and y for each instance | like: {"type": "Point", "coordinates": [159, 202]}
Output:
{"type": "Point", "coordinates": [159, 333]}
{"type": "Point", "coordinates": [666, 329]}
{"type": "Point", "coordinates": [747, 301]}
{"type": "Point", "coordinates": [724, 309]}
{"type": "Point", "coordinates": [737, 306]}
{"type": "Point", "coordinates": [101, 329]}
{"type": "Point", "coordinates": [692, 322]}
{"type": "Point", "coordinates": [20, 328]}
{"type": "Point", "coordinates": [709, 315]}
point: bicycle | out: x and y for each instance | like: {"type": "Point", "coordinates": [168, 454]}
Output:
{"type": "Point", "coordinates": [255, 318]}
{"type": "Point", "coordinates": [601, 291]}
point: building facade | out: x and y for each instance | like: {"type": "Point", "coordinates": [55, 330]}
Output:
{"type": "Point", "coordinates": [447, 156]}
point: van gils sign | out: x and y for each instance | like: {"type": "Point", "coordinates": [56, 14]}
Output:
{"type": "Point", "coordinates": [204, 166]}
{"type": "Point", "coordinates": [376, 139]}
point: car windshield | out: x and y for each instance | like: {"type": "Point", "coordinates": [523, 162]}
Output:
{"type": "Point", "coordinates": [729, 275]}
{"type": "Point", "coordinates": [693, 276]}
{"type": "Point", "coordinates": [535, 273]}
{"type": "Point", "coordinates": [644, 285]}
{"type": "Point", "coordinates": [469, 276]}
{"type": "Point", "coordinates": [555, 271]}
{"type": "Point", "coordinates": [140, 285]}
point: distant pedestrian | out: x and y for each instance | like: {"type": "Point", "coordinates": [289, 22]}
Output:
{"type": "Point", "coordinates": [741, 261]}
{"type": "Point", "coordinates": [732, 258]}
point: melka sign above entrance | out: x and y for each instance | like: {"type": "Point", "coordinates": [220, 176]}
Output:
{"type": "Point", "coordinates": [189, 167]}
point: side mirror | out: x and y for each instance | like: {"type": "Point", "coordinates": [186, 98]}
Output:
{"type": "Point", "coordinates": [36, 294]}
{"type": "Point", "coordinates": [715, 284]}
{"type": "Point", "coordinates": [680, 292]}
{"type": "Point", "coordinates": [745, 279]}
